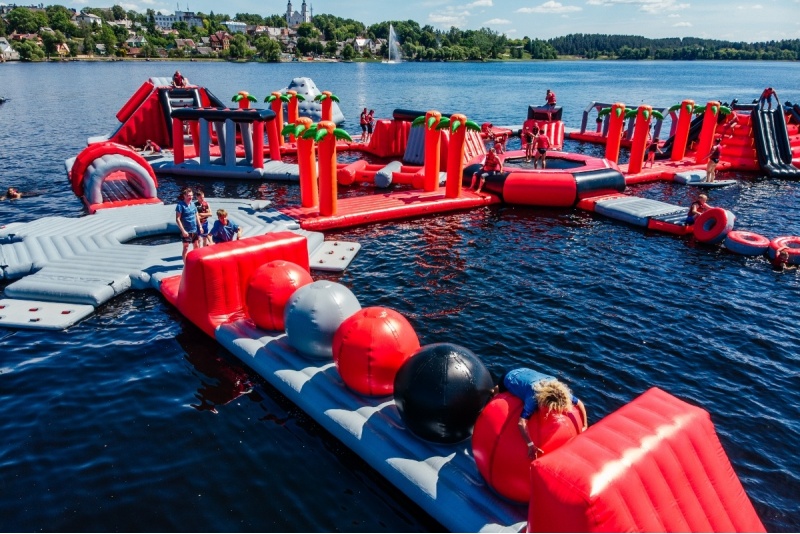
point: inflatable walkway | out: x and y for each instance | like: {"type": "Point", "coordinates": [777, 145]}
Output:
{"type": "Point", "coordinates": [772, 143]}
{"type": "Point", "coordinates": [654, 465]}
{"type": "Point", "coordinates": [87, 261]}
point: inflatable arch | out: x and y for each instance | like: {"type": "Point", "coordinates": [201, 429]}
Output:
{"type": "Point", "coordinates": [110, 173]}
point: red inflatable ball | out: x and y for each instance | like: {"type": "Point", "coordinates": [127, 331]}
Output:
{"type": "Point", "coordinates": [269, 290]}
{"type": "Point", "coordinates": [500, 452]}
{"type": "Point", "coordinates": [370, 346]}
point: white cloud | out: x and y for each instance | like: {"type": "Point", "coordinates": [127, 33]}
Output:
{"type": "Point", "coordinates": [682, 25]}
{"type": "Point", "coordinates": [551, 7]}
{"type": "Point", "coordinates": [495, 22]}
{"type": "Point", "coordinates": [450, 17]}
{"type": "Point", "coordinates": [655, 7]}
{"type": "Point", "coordinates": [509, 32]}
{"type": "Point", "coordinates": [673, 16]}
{"type": "Point", "coordinates": [480, 3]}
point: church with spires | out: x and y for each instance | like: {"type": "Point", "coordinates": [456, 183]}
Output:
{"type": "Point", "coordinates": [295, 18]}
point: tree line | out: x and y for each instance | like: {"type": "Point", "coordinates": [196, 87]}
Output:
{"type": "Point", "coordinates": [329, 35]}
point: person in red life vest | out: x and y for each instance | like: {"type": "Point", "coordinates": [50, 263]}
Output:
{"type": "Point", "coordinates": [529, 141]}
{"type": "Point", "coordinates": [542, 144]}
{"type": "Point", "coordinates": [491, 165]}
{"type": "Point", "coordinates": [550, 98]}
{"type": "Point", "coordinates": [151, 147]}
{"type": "Point", "coordinates": [713, 159]}
{"type": "Point", "coordinates": [498, 147]}
{"type": "Point", "coordinates": [731, 123]}
{"type": "Point", "coordinates": [697, 207]}
{"type": "Point", "coordinates": [766, 97]}
{"type": "Point", "coordinates": [178, 80]}
{"type": "Point", "coordinates": [652, 148]}
{"type": "Point", "coordinates": [362, 121]}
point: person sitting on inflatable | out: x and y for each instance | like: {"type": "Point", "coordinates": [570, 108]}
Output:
{"type": "Point", "coordinates": [538, 391]}
{"type": "Point", "coordinates": [697, 207]}
{"type": "Point", "coordinates": [491, 165]}
{"type": "Point", "coordinates": [178, 80]}
{"type": "Point", "coordinates": [550, 98]}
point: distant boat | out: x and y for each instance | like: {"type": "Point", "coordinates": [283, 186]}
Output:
{"type": "Point", "coordinates": [3, 100]}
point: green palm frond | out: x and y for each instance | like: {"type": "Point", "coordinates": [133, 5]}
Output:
{"type": "Point", "coordinates": [676, 107]}
{"type": "Point", "coordinates": [657, 114]}
{"type": "Point", "coordinates": [288, 129]}
{"type": "Point", "coordinates": [251, 98]}
{"type": "Point", "coordinates": [341, 134]}
{"type": "Point", "coordinates": [270, 99]}
{"type": "Point", "coordinates": [320, 135]}
{"type": "Point", "coordinates": [334, 98]}
{"type": "Point", "coordinates": [455, 125]}
{"type": "Point", "coordinates": [629, 113]}
{"type": "Point", "coordinates": [603, 112]}
{"type": "Point", "coordinates": [444, 123]}
{"type": "Point", "coordinates": [725, 110]}
{"type": "Point", "coordinates": [418, 121]}
{"type": "Point", "coordinates": [311, 132]}
{"type": "Point", "coordinates": [236, 97]}
{"type": "Point", "coordinates": [472, 125]}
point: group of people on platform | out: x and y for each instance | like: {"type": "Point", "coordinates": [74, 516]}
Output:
{"type": "Point", "coordinates": [192, 217]}
{"type": "Point", "coordinates": [367, 122]}
{"type": "Point", "coordinates": [536, 144]}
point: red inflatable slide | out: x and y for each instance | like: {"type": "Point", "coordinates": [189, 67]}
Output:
{"type": "Point", "coordinates": [654, 465]}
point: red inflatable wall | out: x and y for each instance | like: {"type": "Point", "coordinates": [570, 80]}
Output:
{"type": "Point", "coordinates": [212, 289]}
{"type": "Point", "coordinates": [654, 465]}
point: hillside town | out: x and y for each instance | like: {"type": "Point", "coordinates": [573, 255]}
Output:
{"type": "Point", "coordinates": [58, 33]}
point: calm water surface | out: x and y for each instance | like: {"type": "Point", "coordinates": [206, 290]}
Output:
{"type": "Point", "coordinates": [134, 420]}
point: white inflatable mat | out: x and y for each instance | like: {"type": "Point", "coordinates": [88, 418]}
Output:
{"type": "Point", "coordinates": [334, 256]}
{"type": "Point", "coordinates": [41, 315]}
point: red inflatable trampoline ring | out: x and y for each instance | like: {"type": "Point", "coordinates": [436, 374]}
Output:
{"type": "Point", "coordinates": [713, 225]}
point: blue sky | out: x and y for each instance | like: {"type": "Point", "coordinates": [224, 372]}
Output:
{"type": "Point", "coordinates": [736, 20]}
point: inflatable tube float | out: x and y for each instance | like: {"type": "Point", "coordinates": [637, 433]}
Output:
{"type": "Point", "coordinates": [568, 179]}
{"type": "Point", "coordinates": [712, 226]}
{"type": "Point", "coordinates": [746, 243]}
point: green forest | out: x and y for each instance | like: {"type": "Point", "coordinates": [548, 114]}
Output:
{"type": "Point", "coordinates": [40, 33]}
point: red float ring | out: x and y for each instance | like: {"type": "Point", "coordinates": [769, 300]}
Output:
{"type": "Point", "coordinates": [746, 243]}
{"type": "Point", "coordinates": [713, 225]}
{"type": "Point", "coordinates": [791, 243]}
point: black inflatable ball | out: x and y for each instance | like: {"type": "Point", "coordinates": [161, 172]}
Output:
{"type": "Point", "coordinates": [440, 390]}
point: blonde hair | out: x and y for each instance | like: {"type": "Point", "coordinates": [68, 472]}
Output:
{"type": "Point", "coordinates": [553, 396]}
{"type": "Point", "coordinates": [221, 213]}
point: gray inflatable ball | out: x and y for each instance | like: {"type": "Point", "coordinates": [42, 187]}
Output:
{"type": "Point", "coordinates": [314, 313]}
{"type": "Point", "coordinates": [440, 391]}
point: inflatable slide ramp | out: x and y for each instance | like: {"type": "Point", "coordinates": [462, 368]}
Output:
{"type": "Point", "coordinates": [773, 147]}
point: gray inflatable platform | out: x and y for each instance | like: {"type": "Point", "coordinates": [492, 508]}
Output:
{"type": "Point", "coordinates": [76, 264]}
{"type": "Point", "coordinates": [638, 211]}
{"type": "Point", "coordinates": [309, 108]}
{"type": "Point", "coordinates": [442, 479]}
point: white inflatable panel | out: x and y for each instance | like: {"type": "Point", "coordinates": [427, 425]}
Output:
{"type": "Point", "coordinates": [442, 479]}
{"type": "Point", "coordinates": [41, 315]}
{"type": "Point", "coordinates": [635, 210]}
{"type": "Point", "coordinates": [687, 177]}
{"type": "Point", "coordinates": [334, 256]}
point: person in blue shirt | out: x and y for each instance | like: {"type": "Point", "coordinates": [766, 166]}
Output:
{"type": "Point", "coordinates": [188, 221]}
{"type": "Point", "coordinates": [539, 391]}
{"type": "Point", "coordinates": [224, 230]}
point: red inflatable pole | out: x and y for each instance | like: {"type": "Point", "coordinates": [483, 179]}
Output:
{"type": "Point", "coordinates": [274, 140]}
{"type": "Point", "coordinates": [327, 170]}
{"type": "Point", "coordinates": [177, 141]}
{"type": "Point", "coordinates": [455, 155]}
{"type": "Point", "coordinates": [616, 123]}
{"type": "Point", "coordinates": [309, 190]}
{"type": "Point", "coordinates": [641, 133]}
{"type": "Point", "coordinates": [292, 110]}
{"type": "Point", "coordinates": [433, 142]}
{"type": "Point", "coordinates": [707, 132]}
{"type": "Point", "coordinates": [682, 131]}
{"type": "Point", "coordinates": [277, 107]}
{"type": "Point", "coordinates": [258, 145]}
{"type": "Point", "coordinates": [327, 106]}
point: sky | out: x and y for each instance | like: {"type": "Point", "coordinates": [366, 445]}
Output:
{"type": "Point", "coordinates": [733, 20]}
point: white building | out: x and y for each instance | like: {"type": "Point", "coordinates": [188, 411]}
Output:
{"type": "Point", "coordinates": [293, 18]}
{"type": "Point", "coordinates": [235, 27]}
{"type": "Point", "coordinates": [191, 19]}
{"type": "Point", "coordinates": [88, 19]}
{"type": "Point", "coordinates": [6, 52]}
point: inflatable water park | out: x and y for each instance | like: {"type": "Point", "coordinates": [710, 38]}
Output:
{"type": "Point", "coordinates": [425, 417]}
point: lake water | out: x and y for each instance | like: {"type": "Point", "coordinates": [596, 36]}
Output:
{"type": "Point", "coordinates": [134, 420]}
